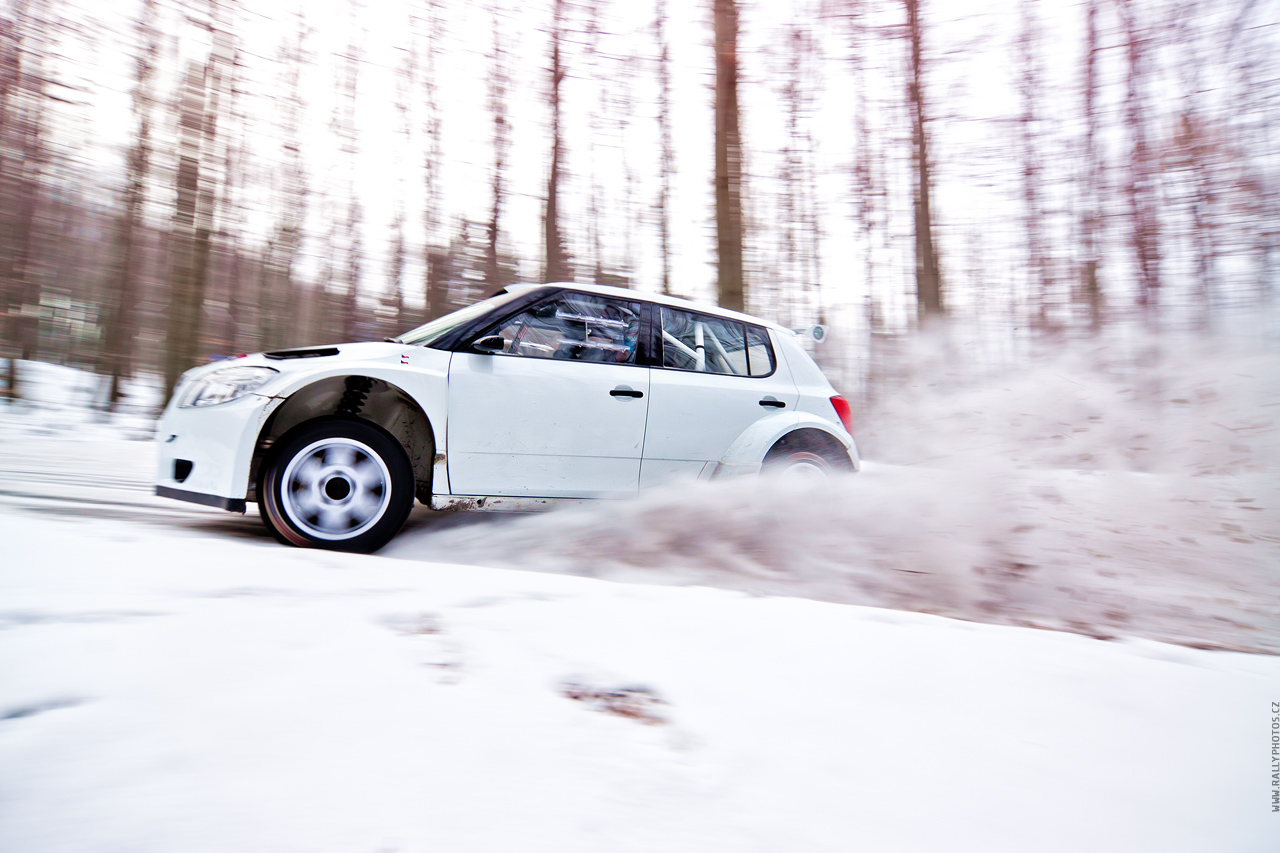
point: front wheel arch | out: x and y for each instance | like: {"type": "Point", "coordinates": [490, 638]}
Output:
{"type": "Point", "coordinates": [376, 401]}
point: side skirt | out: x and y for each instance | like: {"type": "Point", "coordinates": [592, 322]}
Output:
{"type": "Point", "coordinates": [216, 501]}
{"type": "Point", "coordinates": [487, 503]}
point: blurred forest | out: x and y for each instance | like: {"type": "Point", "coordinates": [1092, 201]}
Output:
{"type": "Point", "coordinates": [189, 179]}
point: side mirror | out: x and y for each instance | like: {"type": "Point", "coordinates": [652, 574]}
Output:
{"type": "Point", "coordinates": [490, 344]}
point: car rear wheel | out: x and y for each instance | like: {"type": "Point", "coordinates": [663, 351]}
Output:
{"type": "Point", "coordinates": [806, 456]}
{"type": "Point", "coordinates": [343, 485]}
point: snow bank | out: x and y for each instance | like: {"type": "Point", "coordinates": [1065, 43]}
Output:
{"type": "Point", "coordinates": [66, 402]}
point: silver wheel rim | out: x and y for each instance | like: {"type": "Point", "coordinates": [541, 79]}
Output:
{"type": "Point", "coordinates": [335, 488]}
{"type": "Point", "coordinates": [805, 471]}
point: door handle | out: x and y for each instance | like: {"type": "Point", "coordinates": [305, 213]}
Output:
{"type": "Point", "coordinates": [771, 402]}
{"type": "Point", "coordinates": [624, 391]}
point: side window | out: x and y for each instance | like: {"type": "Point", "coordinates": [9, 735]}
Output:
{"type": "Point", "coordinates": [759, 352]}
{"type": "Point", "coordinates": [704, 344]}
{"type": "Point", "coordinates": [575, 327]}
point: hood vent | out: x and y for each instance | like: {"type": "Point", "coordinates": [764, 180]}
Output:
{"type": "Point", "coordinates": [302, 352]}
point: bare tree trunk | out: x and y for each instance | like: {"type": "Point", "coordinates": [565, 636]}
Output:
{"type": "Point", "coordinates": [186, 278]}
{"type": "Point", "coordinates": [730, 281]}
{"type": "Point", "coordinates": [118, 347]}
{"type": "Point", "coordinates": [807, 60]}
{"type": "Point", "coordinates": [349, 306]}
{"type": "Point", "coordinates": [798, 222]}
{"type": "Point", "coordinates": [790, 278]}
{"type": "Point", "coordinates": [864, 187]}
{"type": "Point", "coordinates": [594, 131]}
{"type": "Point", "coordinates": [278, 322]}
{"type": "Point", "coordinates": [231, 192]}
{"type": "Point", "coordinates": [199, 106]}
{"type": "Point", "coordinates": [1254, 86]}
{"type": "Point", "coordinates": [393, 303]}
{"type": "Point", "coordinates": [11, 34]}
{"type": "Point", "coordinates": [440, 271]}
{"type": "Point", "coordinates": [1034, 224]}
{"type": "Point", "coordinates": [345, 120]}
{"type": "Point", "coordinates": [666, 157]}
{"type": "Point", "coordinates": [1092, 189]}
{"type": "Point", "coordinates": [1141, 190]}
{"type": "Point", "coordinates": [436, 275]}
{"type": "Point", "coordinates": [394, 317]}
{"type": "Point", "coordinates": [1198, 151]}
{"type": "Point", "coordinates": [556, 261]}
{"type": "Point", "coordinates": [1203, 199]}
{"type": "Point", "coordinates": [21, 162]}
{"type": "Point", "coordinates": [27, 284]}
{"type": "Point", "coordinates": [928, 280]}
{"type": "Point", "coordinates": [498, 84]}
{"type": "Point", "coordinates": [632, 222]}
{"type": "Point", "coordinates": [236, 302]}
{"type": "Point", "coordinates": [219, 86]}
{"type": "Point", "coordinates": [555, 264]}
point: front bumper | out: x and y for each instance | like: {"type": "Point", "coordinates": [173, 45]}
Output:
{"type": "Point", "coordinates": [203, 455]}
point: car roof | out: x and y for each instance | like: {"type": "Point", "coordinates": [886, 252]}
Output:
{"type": "Point", "coordinates": [657, 298]}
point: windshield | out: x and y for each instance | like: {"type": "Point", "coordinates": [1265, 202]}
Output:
{"type": "Point", "coordinates": [426, 334]}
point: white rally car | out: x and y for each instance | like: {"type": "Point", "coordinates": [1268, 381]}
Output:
{"type": "Point", "coordinates": [537, 394]}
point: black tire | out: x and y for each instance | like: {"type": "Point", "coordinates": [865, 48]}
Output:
{"type": "Point", "coordinates": [806, 453]}
{"type": "Point", "coordinates": [262, 512]}
{"type": "Point", "coordinates": [339, 484]}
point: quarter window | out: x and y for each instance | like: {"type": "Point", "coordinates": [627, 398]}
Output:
{"type": "Point", "coordinates": [575, 327]}
{"type": "Point", "coordinates": [759, 353]}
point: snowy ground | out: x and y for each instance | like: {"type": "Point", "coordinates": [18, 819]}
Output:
{"type": "Point", "coordinates": [689, 671]}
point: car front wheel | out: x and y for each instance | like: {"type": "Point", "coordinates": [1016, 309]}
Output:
{"type": "Point", "coordinates": [343, 485]}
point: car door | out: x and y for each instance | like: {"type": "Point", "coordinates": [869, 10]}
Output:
{"type": "Point", "coordinates": [718, 377]}
{"type": "Point", "coordinates": [560, 411]}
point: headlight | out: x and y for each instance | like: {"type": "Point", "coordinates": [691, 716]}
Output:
{"type": "Point", "coordinates": [223, 386]}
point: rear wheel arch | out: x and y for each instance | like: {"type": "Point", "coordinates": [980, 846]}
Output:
{"type": "Point", "coordinates": [364, 398]}
{"type": "Point", "coordinates": [807, 441]}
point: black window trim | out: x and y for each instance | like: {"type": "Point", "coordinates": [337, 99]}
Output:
{"type": "Point", "coordinates": [768, 345]}
{"type": "Point", "coordinates": [655, 340]}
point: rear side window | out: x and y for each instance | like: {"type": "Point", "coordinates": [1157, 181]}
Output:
{"type": "Point", "coordinates": [706, 344]}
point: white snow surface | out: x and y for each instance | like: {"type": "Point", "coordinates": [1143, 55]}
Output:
{"type": "Point", "coordinates": [173, 679]}
{"type": "Point", "coordinates": [177, 691]}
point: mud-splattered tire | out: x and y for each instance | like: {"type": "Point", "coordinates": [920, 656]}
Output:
{"type": "Point", "coordinates": [806, 455]}
{"type": "Point", "coordinates": [338, 484]}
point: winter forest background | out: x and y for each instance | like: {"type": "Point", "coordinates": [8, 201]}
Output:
{"type": "Point", "coordinates": [183, 180]}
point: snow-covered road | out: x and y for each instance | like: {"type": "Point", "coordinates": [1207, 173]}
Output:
{"type": "Point", "coordinates": [687, 671]}
{"type": "Point", "coordinates": [188, 690]}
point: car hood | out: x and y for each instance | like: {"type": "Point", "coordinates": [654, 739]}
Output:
{"type": "Point", "coordinates": [308, 358]}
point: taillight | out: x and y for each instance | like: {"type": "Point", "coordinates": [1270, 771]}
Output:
{"type": "Point", "coordinates": [841, 405]}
